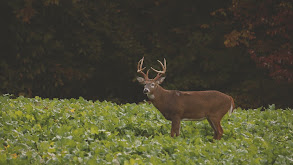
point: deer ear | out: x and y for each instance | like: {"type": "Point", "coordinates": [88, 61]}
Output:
{"type": "Point", "coordinates": [160, 80]}
{"type": "Point", "coordinates": [140, 80]}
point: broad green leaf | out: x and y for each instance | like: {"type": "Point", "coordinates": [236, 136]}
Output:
{"type": "Point", "coordinates": [38, 131]}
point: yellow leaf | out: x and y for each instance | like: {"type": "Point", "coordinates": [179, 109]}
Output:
{"type": "Point", "coordinates": [51, 150]}
{"type": "Point", "coordinates": [72, 110]}
{"type": "Point", "coordinates": [14, 156]}
{"type": "Point", "coordinates": [18, 113]}
{"type": "Point", "coordinates": [7, 146]}
{"type": "Point", "coordinates": [132, 161]}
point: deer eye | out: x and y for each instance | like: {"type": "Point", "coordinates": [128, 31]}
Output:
{"type": "Point", "coordinates": [152, 85]}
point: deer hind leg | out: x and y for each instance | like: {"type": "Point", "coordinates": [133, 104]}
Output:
{"type": "Point", "coordinates": [218, 130]}
{"type": "Point", "coordinates": [175, 127]}
{"type": "Point", "coordinates": [214, 128]}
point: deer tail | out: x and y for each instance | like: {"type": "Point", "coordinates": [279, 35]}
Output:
{"type": "Point", "coordinates": [232, 106]}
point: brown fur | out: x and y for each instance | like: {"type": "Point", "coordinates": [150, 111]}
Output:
{"type": "Point", "coordinates": [192, 105]}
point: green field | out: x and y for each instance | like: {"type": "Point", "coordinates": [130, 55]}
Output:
{"type": "Point", "coordinates": [77, 131]}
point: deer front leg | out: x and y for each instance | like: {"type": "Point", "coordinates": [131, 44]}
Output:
{"type": "Point", "coordinates": [175, 127]}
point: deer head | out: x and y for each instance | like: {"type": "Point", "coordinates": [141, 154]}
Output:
{"type": "Point", "coordinates": [150, 84]}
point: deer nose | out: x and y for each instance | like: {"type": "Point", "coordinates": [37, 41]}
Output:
{"type": "Point", "coordinates": [145, 90]}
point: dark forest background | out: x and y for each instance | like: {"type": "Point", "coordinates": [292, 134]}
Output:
{"type": "Point", "coordinates": [90, 48]}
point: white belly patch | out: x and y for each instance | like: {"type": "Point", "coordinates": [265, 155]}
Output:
{"type": "Point", "coordinates": [189, 119]}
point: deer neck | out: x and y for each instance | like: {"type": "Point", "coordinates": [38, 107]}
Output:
{"type": "Point", "coordinates": [159, 97]}
{"type": "Point", "coordinates": [158, 94]}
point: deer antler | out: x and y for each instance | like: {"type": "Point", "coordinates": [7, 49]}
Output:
{"type": "Point", "coordinates": [140, 69]}
{"type": "Point", "coordinates": [160, 73]}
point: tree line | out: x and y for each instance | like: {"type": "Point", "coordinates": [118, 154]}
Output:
{"type": "Point", "coordinates": [71, 48]}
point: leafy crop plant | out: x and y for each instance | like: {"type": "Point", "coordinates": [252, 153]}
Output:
{"type": "Point", "coordinates": [77, 131]}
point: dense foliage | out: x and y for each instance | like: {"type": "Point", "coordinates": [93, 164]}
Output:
{"type": "Point", "coordinates": [72, 48]}
{"type": "Point", "coordinates": [43, 131]}
{"type": "Point", "coordinates": [264, 28]}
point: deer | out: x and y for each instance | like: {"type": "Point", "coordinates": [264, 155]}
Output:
{"type": "Point", "coordinates": [177, 106]}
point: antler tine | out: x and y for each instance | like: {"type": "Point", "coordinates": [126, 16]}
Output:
{"type": "Point", "coordinates": [139, 65]}
{"type": "Point", "coordinates": [163, 66]}
{"type": "Point", "coordinates": [160, 73]}
{"type": "Point", "coordinates": [140, 69]}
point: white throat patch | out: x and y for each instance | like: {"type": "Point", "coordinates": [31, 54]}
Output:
{"type": "Point", "coordinates": [151, 96]}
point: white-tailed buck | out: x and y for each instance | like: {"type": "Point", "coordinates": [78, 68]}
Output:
{"type": "Point", "coordinates": [188, 105]}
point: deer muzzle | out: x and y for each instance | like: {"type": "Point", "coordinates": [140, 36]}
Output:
{"type": "Point", "coordinates": [146, 91]}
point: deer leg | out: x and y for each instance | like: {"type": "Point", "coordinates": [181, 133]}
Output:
{"type": "Point", "coordinates": [217, 128]}
{"type": "Point", "coordinates": [220, 133]}
{"type": "Point", "coordinates": [214, 128]}
{"type": "Point", "coordinates": [175, 127]}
